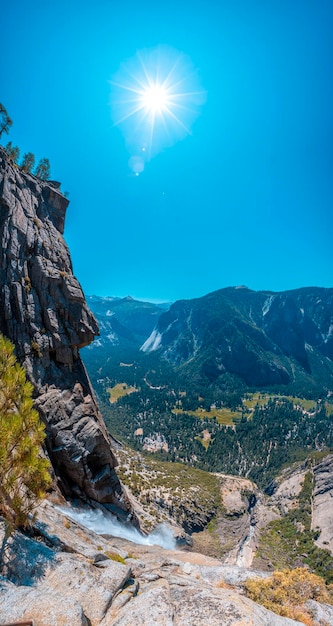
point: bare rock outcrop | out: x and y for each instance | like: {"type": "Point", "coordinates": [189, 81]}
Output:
{"type": "Point", "coordinates": [322, 514]}
{"type": "Point", "coordinates": [77, 579]}
{"type": "Point", "coordinates": [44, 313]}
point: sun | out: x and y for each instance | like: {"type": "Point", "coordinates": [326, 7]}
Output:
{"type": "Point", "coordinates": [155, 98]}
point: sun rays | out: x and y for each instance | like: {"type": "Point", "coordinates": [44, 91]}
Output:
{"type": "Point", "coordinates": [155, 98]}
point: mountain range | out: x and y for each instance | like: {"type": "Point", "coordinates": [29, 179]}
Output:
{"type": "Point", "coordinates": [124, 322]}
{"type": "Point", "coordinates": [147, 366]}
{"type": "Point", "coordinates": [256, 339]}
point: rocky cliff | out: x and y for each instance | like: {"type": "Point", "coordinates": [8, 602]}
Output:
{"type": "Point", "coordinates": [231, 518]}
{"type": "Point", "coordinates": [322, 513]}
{"type": "Point", "coordinates": [44, 313]}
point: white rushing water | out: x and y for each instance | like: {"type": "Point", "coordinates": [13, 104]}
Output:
{"type": "Point", "coordinates": [104, 523]}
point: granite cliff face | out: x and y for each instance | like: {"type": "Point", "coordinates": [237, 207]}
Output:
{"type": "Point", "coordinates": [44, 313]}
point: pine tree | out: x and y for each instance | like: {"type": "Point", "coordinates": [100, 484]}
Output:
{"type": "Point", "coordinates": [28, 162]}
{"type": "Point", "coordinates": [5, 121]}
{"type": "Point", "coordinates": [43, 169]}
{"type": "Point", "coordinates": [13, 151]}
{"type": "Point", "coordinates": [24, 472]}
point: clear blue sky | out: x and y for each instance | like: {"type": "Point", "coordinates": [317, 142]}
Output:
{"type": "Point", "coordinates": [246, 198]}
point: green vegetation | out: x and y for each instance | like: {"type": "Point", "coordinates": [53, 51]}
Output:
{"type": "Point", "coordinates": [222, 416]}
{"type": "Point", "coordinates": [13, 152]}
{"type": "Point", "coordinates": [276, 434]}
{"type": "Point", "coordinates": [287, 591]}
{"type": "Point", "coordinates": [5, 121]}
{"type": "Point", "coordinates": [289, 541]}
{"type": "Point", "coordinates": [24, 472]}
{"type": "Point", "coordinates": [42, 170]}
{"type": "Point", "coordinates": [252, 400]}
{"type": "Point", "coordinates": [28, 162]}
{"type": "Point", "coordinates": [222, 427]}
{"type": "Point", "coordinates": [115, 557]}
{"type": "Point", "coordinates": [190, 495]}
{"type": "Point", "coordinates": [259, 444]}
{"type": "Point", "coordinates": [329, 408]}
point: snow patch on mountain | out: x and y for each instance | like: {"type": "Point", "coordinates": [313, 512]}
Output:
{"type": "Point", "coordinates": [153, 342]}
{"type": "Point", "coordinates": [267, 305]}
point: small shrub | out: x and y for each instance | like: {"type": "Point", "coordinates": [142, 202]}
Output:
{"type": "Point", "coordinates": [27, 284]}
{"type": "Point", "coordinates": [286, 591]}
{"type": "Point", "coordinates": [36, 348]}
{"type": "Point", "coordinates": [115, 557]}
{"type": "Point", "coordinates": [37, 223]}
{"type": "Point", "coordinates": [221, 584]}
{"type": "Point", "coordinates": [24, 474]}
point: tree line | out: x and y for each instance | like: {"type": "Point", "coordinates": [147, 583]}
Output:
{"type": "Point", "coordinates": [257, 446]}
{"type": "Point", "coordinates": [41, 170]}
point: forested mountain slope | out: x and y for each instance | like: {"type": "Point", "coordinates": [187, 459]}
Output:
{"type": "Point", "coordinates": [260, 338]}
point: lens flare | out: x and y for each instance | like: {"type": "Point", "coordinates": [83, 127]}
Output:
{"type": "Point", "coordinates": [155, 98]}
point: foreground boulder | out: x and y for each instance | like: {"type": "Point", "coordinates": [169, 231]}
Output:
{"type": "Point", "coordinates": [67, 574]}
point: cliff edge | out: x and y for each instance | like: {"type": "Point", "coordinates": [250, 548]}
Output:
{"type": "Point", "coordinates": [44, 313]}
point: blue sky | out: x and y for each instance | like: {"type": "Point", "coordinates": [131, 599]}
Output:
{"type": "Point", "coordinates": [245, 198]}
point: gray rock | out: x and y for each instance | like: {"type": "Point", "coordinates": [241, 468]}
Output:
{"type": "Point", "coordinates": [93, 588]}
{"type": "Point", "coordinates": [44, 313]}
{"type": "Point", "coordinates": [153, 607]}
{"type": "Point", "coordinates": [25, 603]}
{"type": "Point", "coordinates": [322, 516]}
{"type": "Point", "coordinates": [322, 613]}
{"type": "Point", "coordinates": [166, 588]}
{"type": "Point", "coordinates": [220, 606]}
{"type": "Point", "coordinates": [229, 574]}
{"type": "Point", "coordinates": [36, 575]}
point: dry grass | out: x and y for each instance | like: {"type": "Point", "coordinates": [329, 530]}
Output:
{"type": "Point", "coordinates": [120, 390]}
{"type": "Point", "coordinates": [287, 591]}
{"type": "Point", "coordinates": [223, 416]}
{"type": "Point", "coordinates": [221, 584]}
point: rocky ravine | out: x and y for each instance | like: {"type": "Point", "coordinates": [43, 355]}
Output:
{"type": "Point", "coordinates": [247, 511]}
{"type": "Point", "coordinates": [43, 311]}
{"type": "Point", "coordinates": [67, 575]}
{"type": "Point", "coordinates": [238, 510]}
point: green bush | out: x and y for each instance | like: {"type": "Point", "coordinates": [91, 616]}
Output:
{"type": "Point", "coordinates": [24, 472]}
